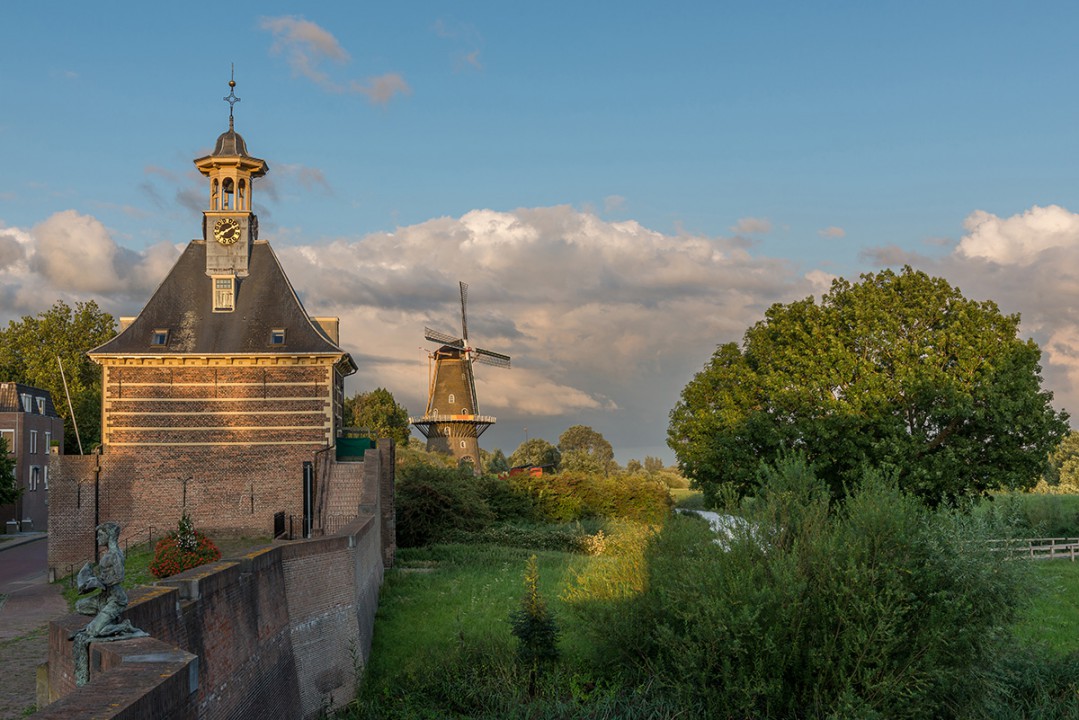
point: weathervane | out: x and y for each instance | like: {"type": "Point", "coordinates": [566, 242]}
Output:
{"type": "Point", "coordinates": [231, 98]}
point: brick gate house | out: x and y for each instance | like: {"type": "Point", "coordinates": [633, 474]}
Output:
{"type": "Point", "coordinates": [215, 395]}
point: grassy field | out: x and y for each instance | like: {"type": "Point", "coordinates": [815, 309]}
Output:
{"type": "Point", "coordinates": [1053, 616]}
{"type": "Point", "coordinates": [446, 595]}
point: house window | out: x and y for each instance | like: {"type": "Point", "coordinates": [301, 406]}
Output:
{"type": "Point", "coordinates": [40, 405]}
{"type": "Point", "coordinates": [8, 436]}
{"type": "Point", "coordinates": [27, 402]}
{"type": "Point", "coordinates": [48, 443]}
{"type": "Point", "coordinates": [277, 336]}
{"type": "Point", "coordinates": [159, 337]}
{"type": "Point", "coordinates": [35, 476]}
{"type": "Point", "coordinates": [33, 442]}
{"type": "Point", "coordinates": [451, 399]}
{"type": "Point", "coordinates": [224, 294]}
{"type": "Point", "coordinates": [45, 476]}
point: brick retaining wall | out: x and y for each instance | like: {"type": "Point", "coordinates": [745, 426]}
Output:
{"type": "Point", "coordinates": [280, 632]}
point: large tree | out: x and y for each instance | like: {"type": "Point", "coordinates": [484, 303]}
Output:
{"type": "Point", "coordinates": [585, 450]}
{"type": "Point", "coordinates": [535, 451]}
{"type": "Point", "coordinates": [378, 412]}
{"type": "Point", "coordinates": [898, 371]}
{"type": "Point", "coordinates": [29, 350]}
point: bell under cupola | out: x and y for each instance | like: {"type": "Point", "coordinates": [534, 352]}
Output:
{"type": "Point", "coordinates": [229, 226]}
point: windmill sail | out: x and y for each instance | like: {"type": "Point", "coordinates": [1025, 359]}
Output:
{"type": "Point", "coordinates": [492, 358]}
{"type": "Point", "coordinates": [441, 337]}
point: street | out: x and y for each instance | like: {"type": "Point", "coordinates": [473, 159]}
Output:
{"type": "Point", "coordinates": [23, 565]}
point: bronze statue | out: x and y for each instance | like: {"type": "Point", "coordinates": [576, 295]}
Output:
{"type": "Point", "coordinates": [107, 606]}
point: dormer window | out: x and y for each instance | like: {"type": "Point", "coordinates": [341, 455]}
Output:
{"type": "Point", "coordinates": [277, 336]}
{"type": "Point", "coordinates": [27, 402]}
{"type": "Point", "coordinates": [159, 337]}
{"type": "Point", "coordinates": [40, 405]}
{"type": "Point", "coordinates": [224, 294]}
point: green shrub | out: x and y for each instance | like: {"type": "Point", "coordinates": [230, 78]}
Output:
{"type": "Point", "coordinates": [1037, 515]}
{"type": "Point", "coordinates": [570, 496]}
{"type": "Point", "coordinates": [432, 501]}
{"type": "Point", "coordinates": [1035, 685]}
{"type": "Point", "coordinates": [876, 608]}
{"type": "Point", "coordinates": [181, 550]}
{"type": "Point", "coordinates": [535, 629]}
{"type": "Point", "coordinates": [506, 500]}
{"type": "Point", "coordinates": [569, 537]}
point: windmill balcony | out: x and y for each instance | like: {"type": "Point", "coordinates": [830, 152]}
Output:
{"type": "Point", "coordinates": [452, 418]}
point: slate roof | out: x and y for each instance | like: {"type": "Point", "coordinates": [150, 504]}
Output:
{"type": "Point", "coordinates": [183, 305]}
{"type": "Point", "coordinates": [9, 398]}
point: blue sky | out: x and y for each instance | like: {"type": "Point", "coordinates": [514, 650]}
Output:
{"type": "Point", "coordinates": [623, 185]}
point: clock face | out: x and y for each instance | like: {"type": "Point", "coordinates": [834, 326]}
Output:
{"type": "Point", "coordinates": [227, 230]}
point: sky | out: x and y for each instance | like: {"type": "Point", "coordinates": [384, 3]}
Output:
{"type": "Point", "coordinates": [623, 186]}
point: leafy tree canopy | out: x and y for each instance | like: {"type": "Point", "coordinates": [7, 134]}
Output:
{"type": "Point", "coordinates": [536, 451]}
{"type": "Point", "coordinates": [898, 371]}
{"type": "Point", "coordinates": [585, 450]}
{"type": "Point", "coordinates": [9, 490]}
{"type": "Point", "coordinates": [378, 412]}
{"type": "Point", "coordinates": [28, 352]}
{"type": "Point", "coordinates": [497, 462]}
{"type": "Point", "coordinates": [1063, 470]}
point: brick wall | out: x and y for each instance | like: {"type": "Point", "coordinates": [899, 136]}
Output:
{"type": "Point", "coordinates": [225, 490]}
{"type": "Point", "coordinates": [149, 406]}
{"type": "Point", "coordinates": [279, 632]}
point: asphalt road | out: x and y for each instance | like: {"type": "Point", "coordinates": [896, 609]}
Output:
{"type": "Point", "coordinates": [24, 564]}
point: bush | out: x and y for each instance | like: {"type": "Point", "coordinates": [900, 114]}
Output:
{"type": "Point", "coordinates": [507, 501]}
{"type": "Point", "coordinates": [535, 629]}
{"type": "Point", "coordinates": [876, 608]}
{"type": "Point", "coordinates": [433, 501]}
{"type": "Point", "coordinates": [182, 550]}
{"type": "Point", "coordinates": [570, 496]}
{"type": "Point", "coordinates": [573, 537]}
{"type": "Point", "coordinates": [1037, 515]}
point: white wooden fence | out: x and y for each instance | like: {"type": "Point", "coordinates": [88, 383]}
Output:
{"type": "Point", "coordinates": [1040, 548]}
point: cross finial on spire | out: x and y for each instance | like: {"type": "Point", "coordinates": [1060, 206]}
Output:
{"type": "Point", "coordinates": [231, 98]}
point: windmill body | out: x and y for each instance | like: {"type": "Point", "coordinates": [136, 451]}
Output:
{"type": "Point", "coordinates": [452, 422]}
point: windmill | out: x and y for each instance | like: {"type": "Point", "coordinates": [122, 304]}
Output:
{"type": "Point", "coordinates": [452, 423]}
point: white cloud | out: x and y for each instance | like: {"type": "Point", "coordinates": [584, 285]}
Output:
{"type": "Point", "coordinates": [380, 90]}
{"type": "Point", "coordinates": [832, 231]}
{"type": "Point", "coordinates": [73, 257]}
{"type": "Point", "coordinates": [1027, 263]}
{"type": "Point", "coordinates": [604, 320]}
{"type": "Point", "coordinates": [1020, 239]}
{"type": "Point", "coordinates": [306, 45]}
{"type": "Point", "coordinates": [613, 203]}
{"type": "Point", "coordinates": [752, 226]}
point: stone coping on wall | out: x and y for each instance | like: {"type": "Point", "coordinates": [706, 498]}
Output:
{"type": "Point", "coordinates": [149, 677]}
{"type": "Point", "coordinates": [133, 680]}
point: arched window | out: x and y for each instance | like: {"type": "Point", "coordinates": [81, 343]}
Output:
{"type": "Point", "coordinates": [241, 202]}
{"type": "Point", "coordinates": [227, 190]}
{"type": "Point", "coordinates": [214, 199]}
{"type": "Point", "coordinates": [451, 399]}
{"type": "Point", "coordinates": [462, 444]}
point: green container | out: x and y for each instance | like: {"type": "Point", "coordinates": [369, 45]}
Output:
{"type": "Point", "coordinates": [353, 447]}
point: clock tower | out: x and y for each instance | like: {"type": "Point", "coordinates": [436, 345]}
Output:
{"type": "Point", "coordinates": [230, 226]}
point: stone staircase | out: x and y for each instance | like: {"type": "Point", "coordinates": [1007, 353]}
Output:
{"type": "Point", "coordinates": [344, 494]}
